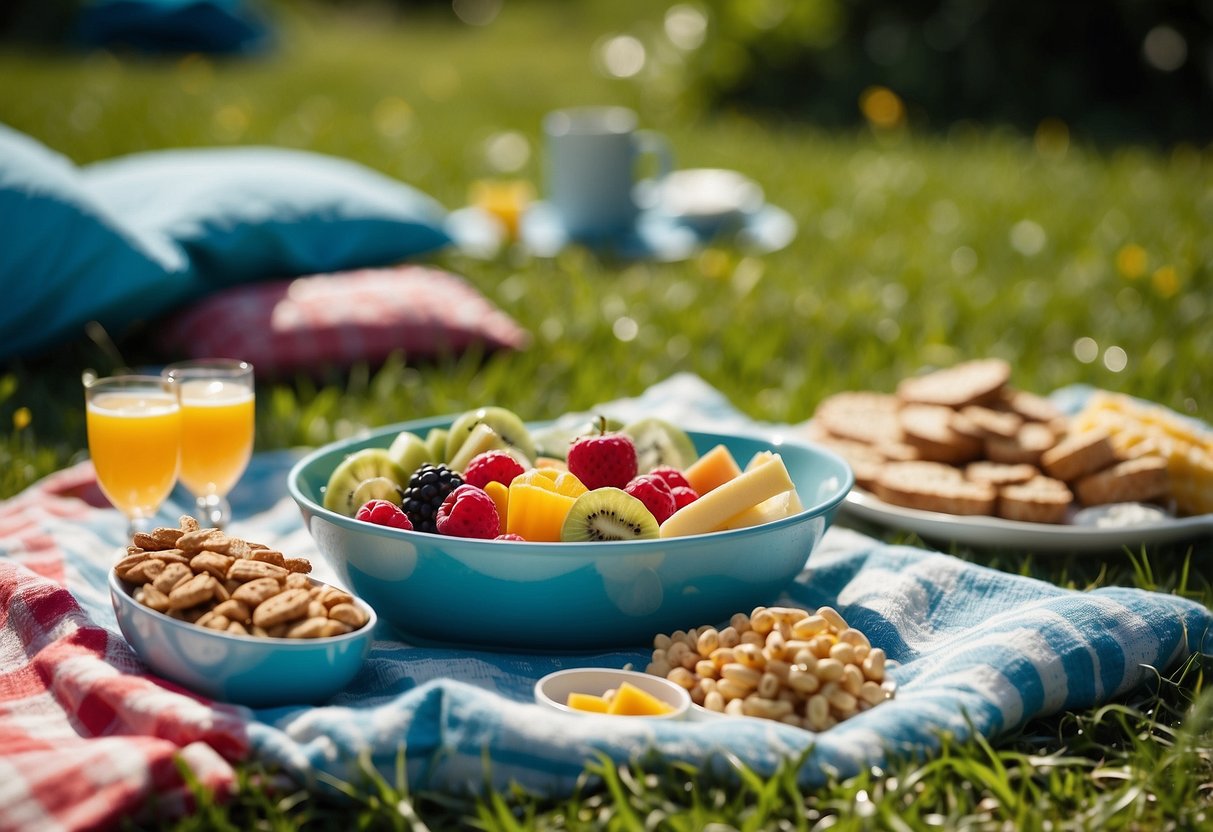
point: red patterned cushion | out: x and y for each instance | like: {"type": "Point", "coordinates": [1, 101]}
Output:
{"type": "Point", "coordinates": [338, 319]}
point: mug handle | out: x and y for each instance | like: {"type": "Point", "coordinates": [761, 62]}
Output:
{"type": "Point", "coordinates": [652, 143]}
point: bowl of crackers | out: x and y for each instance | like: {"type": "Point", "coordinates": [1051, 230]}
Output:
{"type": "Point", "coordinates": [235, 620]}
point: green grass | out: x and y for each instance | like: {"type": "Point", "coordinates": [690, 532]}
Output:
{"type": "Point", "coordinates": [913, 251]}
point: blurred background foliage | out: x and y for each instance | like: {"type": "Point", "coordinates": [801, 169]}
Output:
{"type": "Point", "coordinates": [1110, 69]}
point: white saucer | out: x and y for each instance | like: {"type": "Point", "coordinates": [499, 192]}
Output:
{"type": "Point", "coordinates": [658, 236]}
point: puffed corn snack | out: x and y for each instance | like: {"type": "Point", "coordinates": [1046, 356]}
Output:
{"type": "Point", "coordinates": [808, 669]}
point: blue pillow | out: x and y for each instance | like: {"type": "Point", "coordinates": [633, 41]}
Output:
{"type": "Point", "coordinates": [219, 26]}
{"type": "Point", "coordinates": [245, 214]}
{"type": "Point", "coordinates": [66, 260]}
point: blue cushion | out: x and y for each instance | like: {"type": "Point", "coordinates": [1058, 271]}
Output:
{"type": "Point", "coordinates": [219, 26]}
{"type": "Point", "coordinates": [244, 214]}
{"type": "Point", "coordinates": [66, 260]}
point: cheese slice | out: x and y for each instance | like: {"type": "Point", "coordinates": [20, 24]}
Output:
{"type": "Point", "coordinates": [775, 508]}
{"type": "Point", "coordinates": [729, 499]}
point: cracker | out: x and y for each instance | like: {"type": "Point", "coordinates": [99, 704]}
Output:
{"type": "Point", "coordinates": [199, 539]}
{"type": "Point", "coordinates": [256, 591]}
{"type": "Point", "coordinates": [145, 571]}
{"type": "Point", "coordinates": [156, 539]}
{"type": "Point", "coordinates": [212, 563]}
{"type": "Point", "coordinates": [1032, 440]}
{"type": "Point", "coordinates": [152, 597]}
{"type": "Point", "coordinates": [967, 383]}
{"type": "Point", "coordinates": [933, 486]}
{"type": "Point", "coordinates": [313, 627]}
{"type": "Point", "coordinates": [1078, 455]}
{"type": "Point", "coordinates": [132, 559]}
{"type": "Point", "coordinates": [244, 569]}
{"type": "Point", "coordinates": [191, 593]}
{"type": "Point", "coordinates": [235, 610]}
{"type": "Point", "coordinates": [992, 422]}
{"type": "Point", "coordinates": [1031, 407]}
{"type": "Point", "coordinates": [282, 608]}
{"type": "Point", "coordinates": [929, 430]}
{"type": "Point", "coordinates": [1137, 480]}
{"type": "Point", "coordinates": [173, 574]}
{"type": "Point", "coordinates": [1039, 500]}
{"type": "Point", "coordinates": [1000, 473]}
{"type": "Point", "coordinates": [861, 416]}
{"type": "Point", "coordinates": [349, 614]}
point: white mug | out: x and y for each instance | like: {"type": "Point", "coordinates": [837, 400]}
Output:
{"type": "Point", "coordinates": [591, 160]}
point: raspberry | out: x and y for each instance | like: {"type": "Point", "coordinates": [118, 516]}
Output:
{"type": "Point", "coordinates": [510, 536]}
{"type": "Point", "coordinates": [608, 459]}
{"type": "Point", "coordinates": [683, 495]}
{"type": "Point", "coordinates": [491, 466]}
{"type": "Point", "coordinates": [672, 476]}
{"type": "Point", "coordinates": [468, 512]}
{"type": "Point", "coordinates": [426, 490]}
{"type": "Point", "coordinates": [654, 493]}
{"type": "Point", "coordinates": [383, 513]}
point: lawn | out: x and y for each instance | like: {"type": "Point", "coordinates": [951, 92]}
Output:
{"type": "Point", "coordinates": [1076, 263]}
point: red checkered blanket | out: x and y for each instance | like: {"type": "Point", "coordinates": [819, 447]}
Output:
{"type": "Point", "coordinates": [86, 737]}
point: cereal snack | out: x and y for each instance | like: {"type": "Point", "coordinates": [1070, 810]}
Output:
{"type": "Point", "coordinates": [220, 582]}
{"type": "Point", "coordinates": [807, 669]}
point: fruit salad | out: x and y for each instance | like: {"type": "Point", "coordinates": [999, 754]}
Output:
{"type": "Point", "coordinates": [489, 477]}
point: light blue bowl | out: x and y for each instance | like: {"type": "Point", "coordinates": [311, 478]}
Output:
{"type": "Point", "coordinates": [567, 596]}
{"type": "Point", "coordinates": [246, 670]}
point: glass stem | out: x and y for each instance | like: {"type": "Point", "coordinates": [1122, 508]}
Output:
{"type": "Point", "coordinates": [213, 511]}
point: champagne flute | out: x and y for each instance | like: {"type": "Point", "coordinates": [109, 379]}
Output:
{"type": "Point", "coordinates": [217, 426]}
{"type": "Point", "coordinates": [134, 439]}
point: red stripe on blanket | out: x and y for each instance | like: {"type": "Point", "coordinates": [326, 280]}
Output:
{"type": "Point", "coordinates": [98, 783]}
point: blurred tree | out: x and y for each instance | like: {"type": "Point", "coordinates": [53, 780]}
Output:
{"type": "Point", "coordinates": [1111, 69]}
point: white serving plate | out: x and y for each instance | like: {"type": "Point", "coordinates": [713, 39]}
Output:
{"type": "Point", "coordinates": [995, 532]}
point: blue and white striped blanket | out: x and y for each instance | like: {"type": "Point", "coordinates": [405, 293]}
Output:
{"type": "Point", "coordinates": [975, 650]}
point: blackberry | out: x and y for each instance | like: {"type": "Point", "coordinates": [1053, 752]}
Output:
{"type": "Point", "coordinates": [426, 490]}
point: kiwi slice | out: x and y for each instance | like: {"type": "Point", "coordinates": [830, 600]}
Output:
{"type": "Point", "coordinates": [482, 438]}
{"type": "Point", "coordinates": [376, 488]}
{"type": "Point", "coordinates": [409, 451]}
{"type": "Point", "coordinates": [508, 427]}
{"type": "Point", "coordinates": [353, 471]}
{"type": "Point", "coordinates": [608, 514]}
{"type": "Point", "coordinates": [435, 440]}
{"type": "Point", "coordinates": [553, 441]}
{"type": "Point", "coordinates": [659, 442]}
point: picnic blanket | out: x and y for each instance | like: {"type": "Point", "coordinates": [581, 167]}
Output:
{"type": "Point", "coordinates": [88, 736]}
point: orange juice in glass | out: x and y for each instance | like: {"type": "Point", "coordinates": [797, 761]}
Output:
{"type": "Point", "coordinates": [134, 439]}
{"type": "Point", "coordinates": [217, 426]}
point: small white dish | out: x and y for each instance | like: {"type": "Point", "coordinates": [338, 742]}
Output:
{"type": "Point", "coordinates": [552, 691]}
{"type": "Point", "coordinates": [662, 238]}
{"type": "Point", "coordinates": [707, 199]}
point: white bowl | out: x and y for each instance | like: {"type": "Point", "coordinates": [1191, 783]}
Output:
{"type": "Point", "coordinates": [708, 198]}
{"type": "Point", "coordinates": [552, 691]}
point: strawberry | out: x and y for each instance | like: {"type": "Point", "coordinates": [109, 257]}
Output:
{"type": "Point", "coordinates": [468, 512]}
{"type": "Point", "coordinates": [683, 494]}
{"type": "Point", "coordinates": [384, 513]}
{"type": "Point", "coordinates": [672, 476]}
{"type": "Point", "coordinates": [509, 536]}
{"type": "Point", "coordinates": [492, 466]}
{"type": "Point", "coordinates": [654, 493]}
{"type": "Point", "coordinates": [605, 459]}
